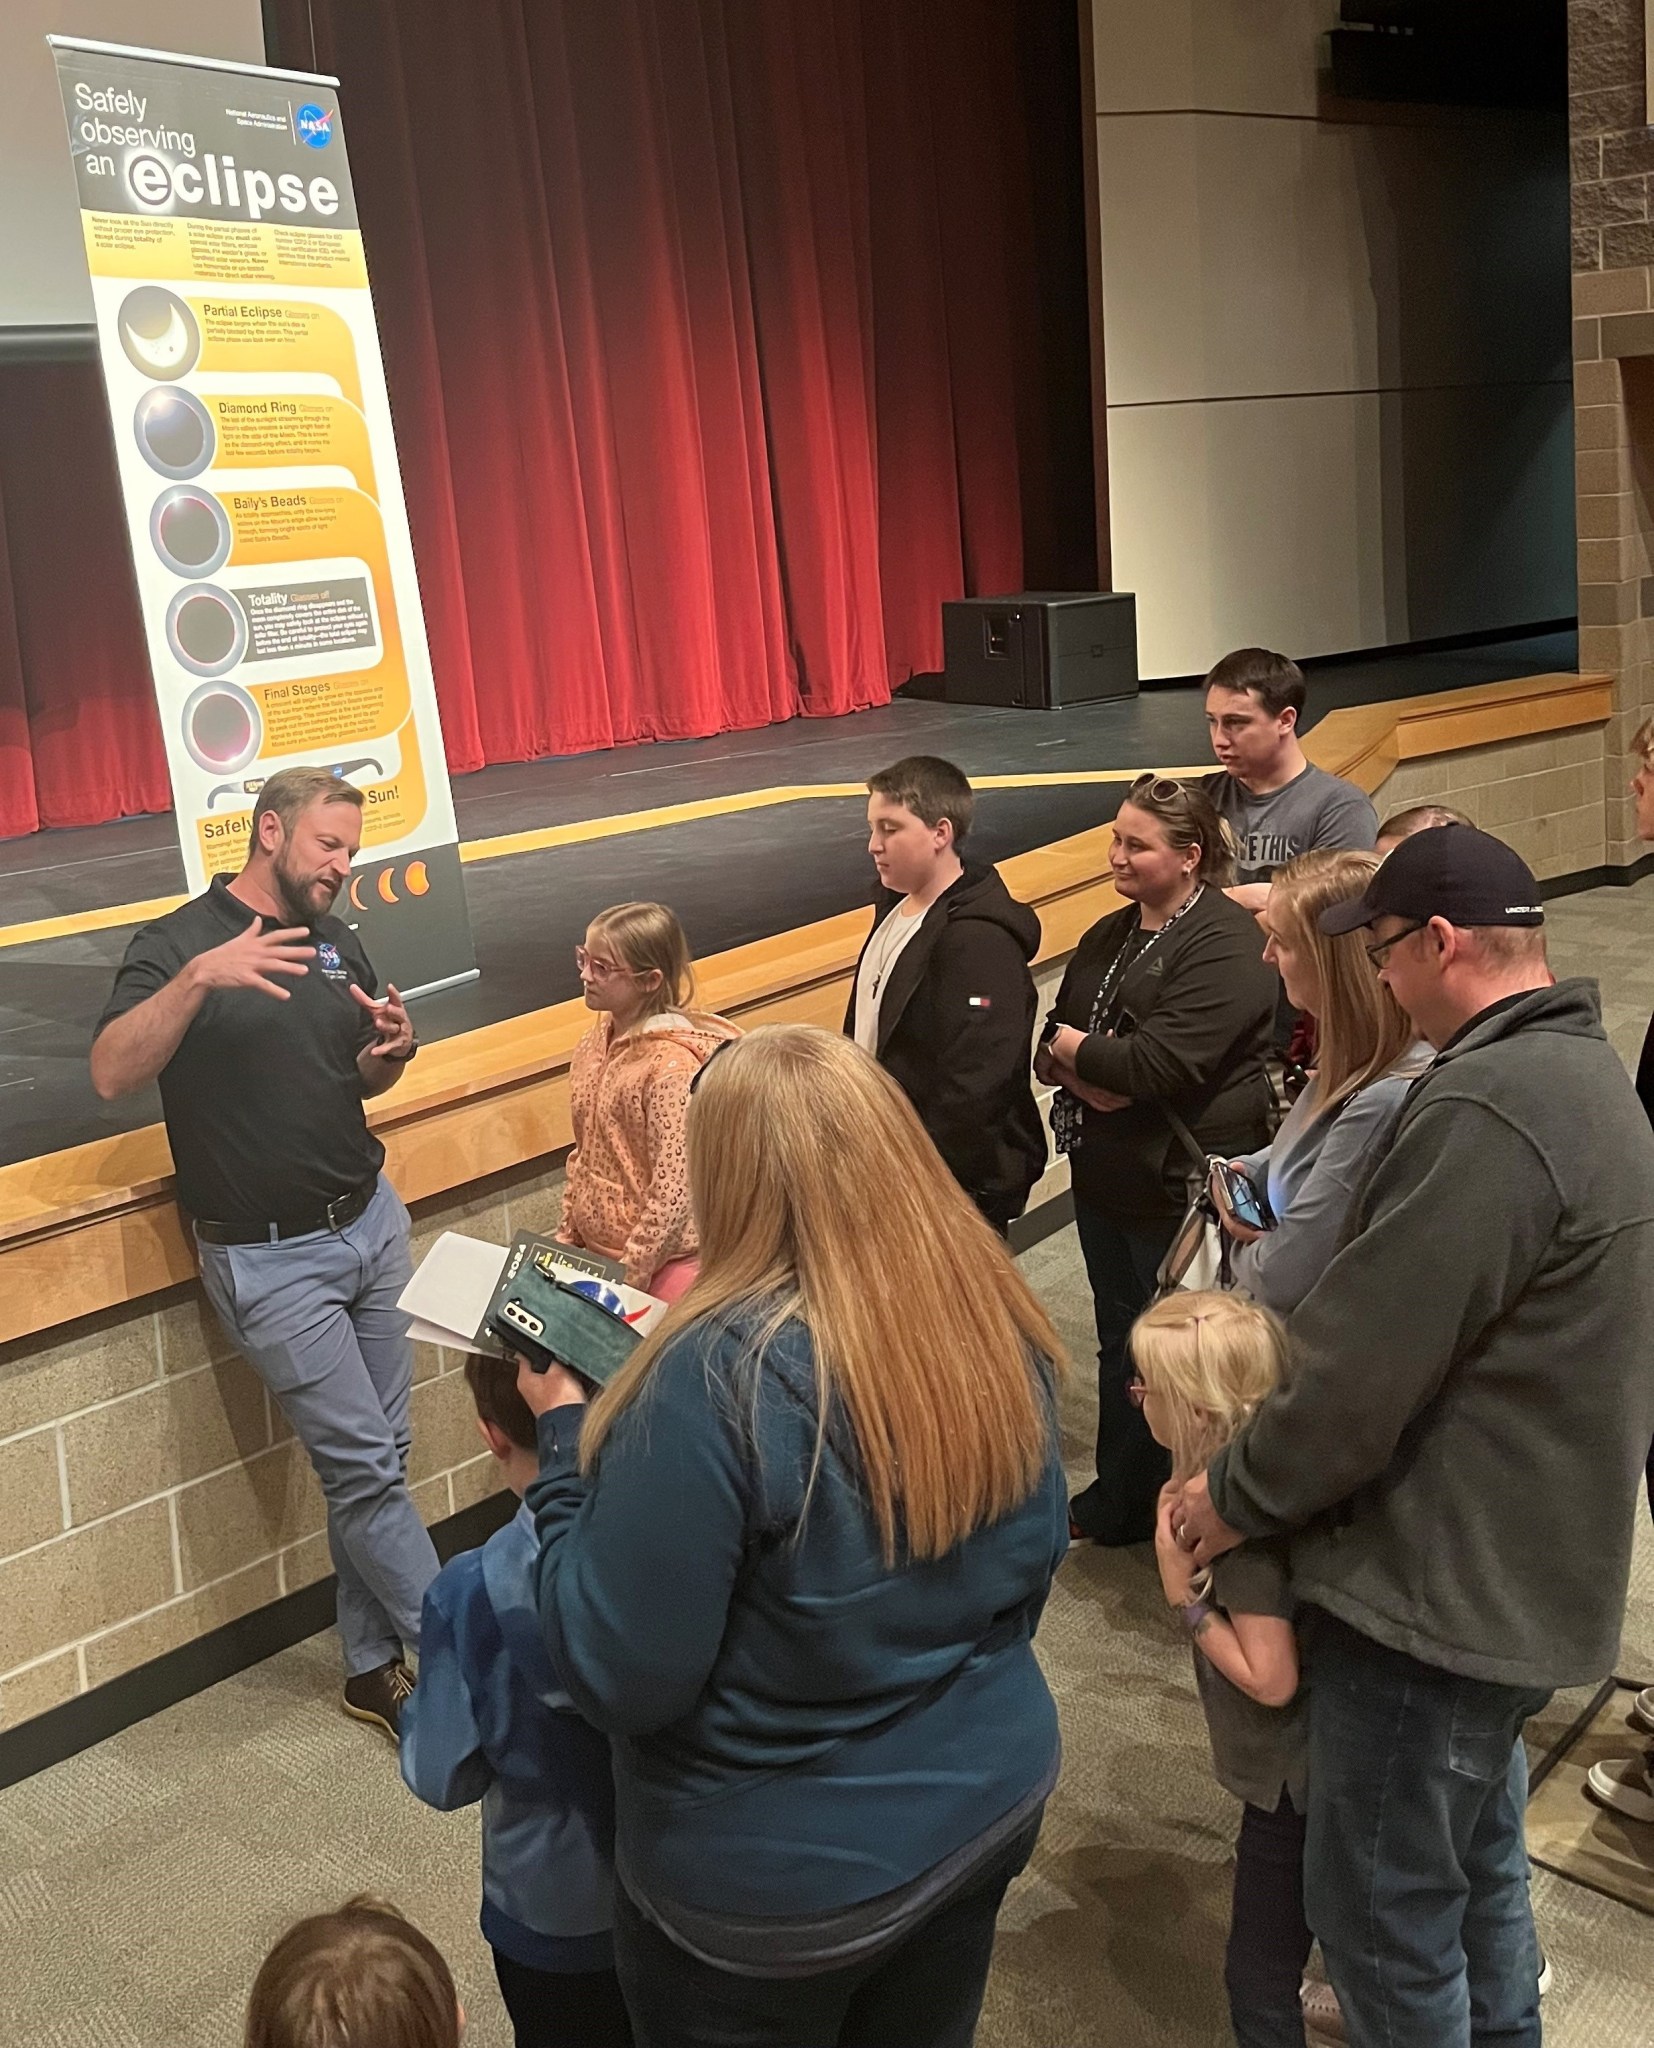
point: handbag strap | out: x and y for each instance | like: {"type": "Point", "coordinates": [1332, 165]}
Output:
{"type": "Point", "coordinates": [1185, 1137]}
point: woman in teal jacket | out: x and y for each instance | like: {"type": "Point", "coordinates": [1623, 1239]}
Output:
{"type": "Point", "coordinates": [792, 1561]}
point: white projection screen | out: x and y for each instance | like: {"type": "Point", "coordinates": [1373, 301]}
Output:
{"type": "Point", "coordinates": [43, 281]}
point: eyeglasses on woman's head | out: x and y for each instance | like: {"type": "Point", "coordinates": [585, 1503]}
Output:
{"type": "Point", "coordinates": [1159, 789]}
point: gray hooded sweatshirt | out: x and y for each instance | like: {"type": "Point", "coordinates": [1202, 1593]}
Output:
{"type": "Point", "coordinates": [1460, 1442]}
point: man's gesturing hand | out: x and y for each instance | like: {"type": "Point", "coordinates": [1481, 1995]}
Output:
{"type": "Point", "coordinates": [391, 1022]}
{"type": "Point", "coordinates": [251, 957]}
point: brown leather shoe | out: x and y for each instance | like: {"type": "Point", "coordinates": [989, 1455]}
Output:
{"type": "Point", "coordinates": [377, 1696]}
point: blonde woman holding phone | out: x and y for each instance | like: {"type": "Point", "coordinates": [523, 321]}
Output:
{"type": "Point", "coordinates": [1367, 1057]}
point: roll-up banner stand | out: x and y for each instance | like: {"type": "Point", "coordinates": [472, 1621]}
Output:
{"type": "Point", "coordinates": [258, 465]}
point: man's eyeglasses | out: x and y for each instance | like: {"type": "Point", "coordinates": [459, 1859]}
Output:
{"type": "Point", "coordinates": [1381, 952]}
{"type": "Point", "coordinates": [599, 970]}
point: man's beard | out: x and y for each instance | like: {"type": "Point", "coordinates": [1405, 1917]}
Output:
{"type": "Point", "coordinates": [295, 892]}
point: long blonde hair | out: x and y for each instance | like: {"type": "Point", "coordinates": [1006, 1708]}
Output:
{"type": "Point", "coordinates": [1360, 1029]}
{"type": "Point", "coordinates": [649, 939]}
{"type": "Point", "coordinates": [818, 1196]}
{"type": "Point", "coordinates": [1209, 1359]}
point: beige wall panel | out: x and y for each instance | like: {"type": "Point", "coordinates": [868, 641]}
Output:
{"type": "Point", "coordinates": [1247, 524]}
{"type": "Point", "coordinates": [1234, 259]}
{"type": "Point", "coordinates": [1245, 258]}
{"type": "Point", "coordinates": [1325, 524]}
{"type": "Point", "coordinates": [1260, 57]}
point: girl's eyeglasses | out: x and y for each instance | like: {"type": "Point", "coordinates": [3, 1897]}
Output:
{"type": "Point", "coordinates": [1135, 1390]}
{"type": "Point", "coordinates": [599, 970]}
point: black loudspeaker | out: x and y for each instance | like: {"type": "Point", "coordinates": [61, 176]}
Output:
{"type": "Point", "coordinates": [1040, 649]}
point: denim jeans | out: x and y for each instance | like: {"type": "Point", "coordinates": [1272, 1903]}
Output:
{"type": "Point", "coordinates": [1416, 1869]}
{"type": "Point", "coordinates": [1120, 1262]}
{"type": "Point", "coordinates": [925, 1992]}
{"type": "Point", "coordinates": [316, 1317]}
{"type": "Point", "coordinates": [1269, 1942]}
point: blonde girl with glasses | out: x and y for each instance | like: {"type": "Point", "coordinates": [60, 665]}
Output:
{"type": "Point", "coordinates": [626, 1192]}
{"type": "Point", "coordinates": [1203, 1363]}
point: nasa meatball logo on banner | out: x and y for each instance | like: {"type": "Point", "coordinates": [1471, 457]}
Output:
{"type": "Point", "coordinates": [314, 125]}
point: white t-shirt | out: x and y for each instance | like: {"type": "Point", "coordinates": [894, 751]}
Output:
{"type": "Point", "coordinates": [873, 976]}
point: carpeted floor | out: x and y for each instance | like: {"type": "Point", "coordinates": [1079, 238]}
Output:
{"type": "Point", "coordinates": [141, 1881]}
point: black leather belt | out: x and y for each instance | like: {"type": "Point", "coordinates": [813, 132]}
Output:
{"type": "Point", "coordinates": [342, 1210]}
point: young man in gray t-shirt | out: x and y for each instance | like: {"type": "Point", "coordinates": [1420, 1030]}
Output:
{"type": "Point", "coordinates": [1269, 795]}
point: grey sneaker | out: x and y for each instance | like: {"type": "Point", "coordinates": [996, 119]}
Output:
{"type": "Point", "coordinates": [1642, 1708]}
{"type": "Point", "coordinates": [1625, 1783]}
{"type": "Point", "coordinates": [377, 1696]}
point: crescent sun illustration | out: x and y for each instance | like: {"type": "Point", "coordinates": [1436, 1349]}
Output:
{"type": "Point", "coordinates": [385, 888]}
{"type": "Point", "coordinates": [166, 349]}
{"type": "Point", "coordinates": [356, 902]}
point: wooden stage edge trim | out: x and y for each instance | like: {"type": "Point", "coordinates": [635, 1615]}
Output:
{"type": "Point", "coordinates": [96, 1226]}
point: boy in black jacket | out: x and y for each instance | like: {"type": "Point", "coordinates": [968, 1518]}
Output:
{"type": "Point", "coordinates": [943, 997]}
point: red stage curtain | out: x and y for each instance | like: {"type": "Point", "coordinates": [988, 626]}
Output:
{"type": "Point", "coordinates": [79, 737]}
{"type": "Point", "coordinates": [712, 329]}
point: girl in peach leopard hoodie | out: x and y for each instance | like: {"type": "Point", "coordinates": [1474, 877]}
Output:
{"type": "Point", "coordinates": [627, 1192]}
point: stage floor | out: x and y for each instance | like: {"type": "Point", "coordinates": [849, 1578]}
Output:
{"type": "Point", "coordinates": [733, 876]}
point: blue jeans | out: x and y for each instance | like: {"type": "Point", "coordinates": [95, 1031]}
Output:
{"type": "Point", "coordinates": [317, 1319]}
{"type": "Point", "coordinates": [1415, 1868]}
{"type": "Point", "coordinates": [1121, 1262]}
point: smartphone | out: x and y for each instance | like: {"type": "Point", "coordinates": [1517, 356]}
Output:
{"type": "Point", "coordinates": [1050, 1028]}
{"type": "Point", "coordinates": [1247, 1201]}
{"type": "Point", "coordinates": [544, 1319]}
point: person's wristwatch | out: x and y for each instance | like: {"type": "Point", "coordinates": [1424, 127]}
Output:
{"type": "Point", "coordinates": [398, 1059]}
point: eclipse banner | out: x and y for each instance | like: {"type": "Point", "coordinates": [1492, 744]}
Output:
{"type": "Point", "coordinates": [258, 465]}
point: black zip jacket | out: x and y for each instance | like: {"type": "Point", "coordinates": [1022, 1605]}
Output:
{"type": "Point", "coordinates": [1196, 1014]}
{"type": "Point", "coordinates": [956, 1031]}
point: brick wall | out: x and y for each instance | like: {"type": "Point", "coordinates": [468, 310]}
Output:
{"type": "Point", "coordinates": [150, 1490]}
{"type": "Point", "coordinates": [1544, 796]}
{"type": "Point", "coordinates": [1612, 169]}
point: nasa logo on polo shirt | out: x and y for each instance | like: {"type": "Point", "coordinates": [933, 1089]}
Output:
{"type": "Point", "coordinates": [327, 959]}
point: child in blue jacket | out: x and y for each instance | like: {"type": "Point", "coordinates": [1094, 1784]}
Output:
{"type": "Point", "coordinates": [488, 1720]}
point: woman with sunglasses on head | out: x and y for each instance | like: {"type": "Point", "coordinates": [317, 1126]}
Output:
{"type": "Point", "coordinates": [793, 1557]}
{"type": "Point", "coordinates": [1163, 1020]}
{"type": "Point", "coordinates": [1367, 1057]}
{"type": "Point", "coordinates": [626, 1192]}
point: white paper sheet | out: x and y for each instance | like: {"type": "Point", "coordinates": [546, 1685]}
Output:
{"type": "Point", "coordinates": [449, 1294]}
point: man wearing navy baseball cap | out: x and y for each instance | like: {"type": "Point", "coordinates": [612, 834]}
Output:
{"type": "Point", "coordinates": [1455, 1456]}
{"type": "Point", "coordinates": [1455, 914]}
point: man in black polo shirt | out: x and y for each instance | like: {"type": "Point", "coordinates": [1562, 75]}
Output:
{"type": "Point", "coordinates": [255, 1012]}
